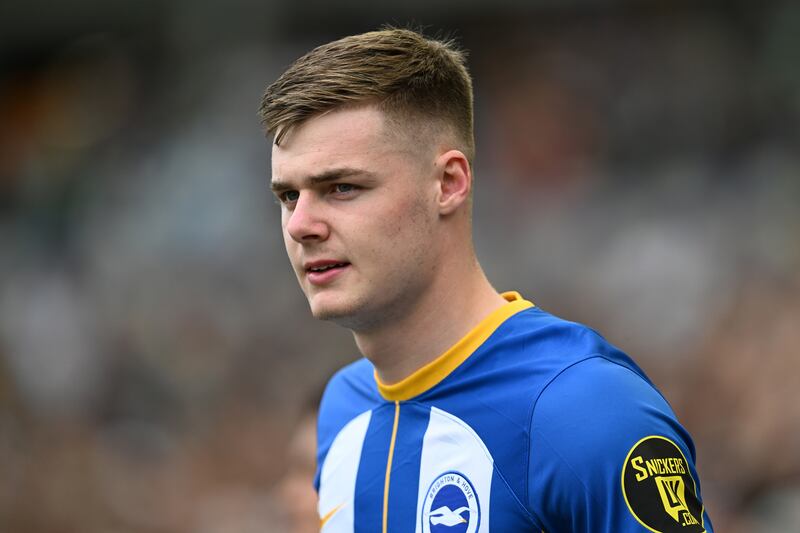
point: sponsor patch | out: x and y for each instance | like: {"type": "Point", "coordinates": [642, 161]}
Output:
{"type": "Point", "coordinates": [451, 505]}
{"type": "Point", "coordinates": [659, 489]}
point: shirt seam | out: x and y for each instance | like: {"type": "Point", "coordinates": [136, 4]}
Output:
{"type": "Point", "coordinates": [532, 517]}
{"type": "Point", "coordinates": [535, 402]}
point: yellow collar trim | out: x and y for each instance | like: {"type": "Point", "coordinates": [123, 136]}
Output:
{"type": "Point", "coordinates": [434, 372]}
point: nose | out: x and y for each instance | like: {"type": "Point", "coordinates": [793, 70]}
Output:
{"type": "Point", "coordinates": [304, 223]}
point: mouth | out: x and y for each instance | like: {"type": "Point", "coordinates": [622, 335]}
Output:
{"type": "Point", "coordinates": [323, 272]}
{"type": "Point", "coordinates": [325, 268]}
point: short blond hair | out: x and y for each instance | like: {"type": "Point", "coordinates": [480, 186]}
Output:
{"type": "Point", "coordinates": [409, 77]}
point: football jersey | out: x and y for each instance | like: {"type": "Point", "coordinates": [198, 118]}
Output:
{"type": "Point", "coordinates": [528, 423]}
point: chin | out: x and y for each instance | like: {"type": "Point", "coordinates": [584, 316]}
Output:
{"type": "Point", "coordinates": [347, 314]}
{"type": "Point", "coordinates": [324, 307]}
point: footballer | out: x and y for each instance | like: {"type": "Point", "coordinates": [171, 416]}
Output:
{"type": "Point", "coordinates": [471, 410]}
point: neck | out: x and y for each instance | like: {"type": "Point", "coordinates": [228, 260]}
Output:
{"type": "Point", "coordinates": [444, 314]}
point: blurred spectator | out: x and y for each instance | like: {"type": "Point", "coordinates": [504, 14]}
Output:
{"type": "Point", "coordinates": [297, 495]}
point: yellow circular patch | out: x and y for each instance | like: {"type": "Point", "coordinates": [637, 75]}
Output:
{"type": "Point", "coordinates": [659, 489]}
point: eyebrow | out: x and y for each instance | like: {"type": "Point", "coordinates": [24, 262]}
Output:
{"type": "Point", "coordinates": [329, 175]}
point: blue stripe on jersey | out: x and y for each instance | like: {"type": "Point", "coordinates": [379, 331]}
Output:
{"type": "Point", "coordinates": [508, 513]}
{"type": "Point", "coordinates": [405, 468]}
{"type": "Point", "coordinates": [371, 471]}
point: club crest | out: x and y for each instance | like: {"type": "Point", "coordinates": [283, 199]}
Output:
{"type": "Point", "coordinates": [450, 506]}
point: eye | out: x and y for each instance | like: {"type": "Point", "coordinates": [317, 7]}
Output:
{"type": "Point", "coordinates": [288, 197]}
{"type": "Point", "coordinates": [343, 188]}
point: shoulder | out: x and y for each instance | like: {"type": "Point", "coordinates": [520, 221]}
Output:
{"type": "Point", "coordinates": [590, 421]}
{"type": "Point", "coordinates": [547, 335]}
{"type": "Point", "coordinates": [350, 392]}
{"type": "Point", "coordinates": [354, 379]}
{"type": "Point", "coordinates": [540, 347]}
{"type": "Point", "coordinates": [600, 392]}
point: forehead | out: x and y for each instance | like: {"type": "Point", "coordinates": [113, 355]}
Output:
{"type": "Point", "coordinates": [352, 137]}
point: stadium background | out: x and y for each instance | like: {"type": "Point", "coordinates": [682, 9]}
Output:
{"type": "Point", "coordinates": [638, 170]}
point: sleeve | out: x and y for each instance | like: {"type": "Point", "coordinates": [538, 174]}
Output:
{"type": "Point", "coordinates": [608, 455]}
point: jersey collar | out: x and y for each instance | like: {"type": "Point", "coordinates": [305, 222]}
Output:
{"type": "Point", "coordinates": [434, 372]}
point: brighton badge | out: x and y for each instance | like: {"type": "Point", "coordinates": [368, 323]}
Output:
{"type": "Point", "coordinates": [451, 505]}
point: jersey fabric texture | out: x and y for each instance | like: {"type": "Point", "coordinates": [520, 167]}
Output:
{"type": "Point", "coordinates": [529, 423]}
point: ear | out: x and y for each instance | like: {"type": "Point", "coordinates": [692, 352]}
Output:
{"type": "Point", "coordinates": [455, 181]}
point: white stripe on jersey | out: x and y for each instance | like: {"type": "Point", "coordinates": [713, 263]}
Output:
{"type": "Point", "coordinates": [450, 445]}
{"type": "Point", "coordinates": [339, 473]}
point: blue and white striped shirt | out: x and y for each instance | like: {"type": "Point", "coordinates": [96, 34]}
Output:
{"type": "Point", "coordinates": [529, 423]}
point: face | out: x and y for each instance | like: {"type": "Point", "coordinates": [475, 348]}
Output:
{"type": "Point", "coordinates": [359, 216]}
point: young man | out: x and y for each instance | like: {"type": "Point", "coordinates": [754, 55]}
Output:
{"type": "Point", "coordinates": [472, 411]}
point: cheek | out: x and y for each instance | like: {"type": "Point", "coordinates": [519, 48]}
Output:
{"type": "Point", "coordinates": [408, 227]}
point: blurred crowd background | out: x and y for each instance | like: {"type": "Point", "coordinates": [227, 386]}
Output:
{"type": "Point", "coordinates": [638, 170]}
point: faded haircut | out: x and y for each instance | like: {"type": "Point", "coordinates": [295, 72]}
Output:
{"type": "Point", "coordinates": [416, 81]}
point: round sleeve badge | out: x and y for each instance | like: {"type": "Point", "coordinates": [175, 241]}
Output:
{"type": "Point", "coordinates": [659, 489]}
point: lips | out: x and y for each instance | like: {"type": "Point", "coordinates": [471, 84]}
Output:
{"type": "Point", "coordinates": [325, 271]}
{"type": "Point", "coordinates": [325, 268]}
